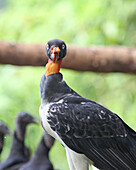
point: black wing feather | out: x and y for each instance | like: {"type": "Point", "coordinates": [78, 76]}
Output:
{"type": "Point", "coordinates": [89, 128]}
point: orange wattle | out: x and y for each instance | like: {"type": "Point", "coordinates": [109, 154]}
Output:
{"type": "Point", "coordinates": [52, 67]}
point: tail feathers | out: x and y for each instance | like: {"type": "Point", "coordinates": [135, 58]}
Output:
{"type": "Point", "coordinates": [119, 154]}
{"type": "Point", "coordinates": [124, 157]}
{"type": "Point", "coordinates": [112, 159]}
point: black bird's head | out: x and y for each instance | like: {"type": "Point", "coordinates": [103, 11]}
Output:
{"type": "Point", "coordinates": [4, 130]}
{"type": "Point", "coordinates": [22, 120]}
{"type": "Point", "coordinates": [55, 50]}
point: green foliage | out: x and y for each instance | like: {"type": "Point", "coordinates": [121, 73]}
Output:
{"type": "Point", "coordinates": [80, 22]}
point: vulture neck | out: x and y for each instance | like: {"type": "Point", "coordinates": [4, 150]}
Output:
{"type": "Point", "coordinates": [20, 131]}
{"type": "Point", "coordinates": [53, 88]}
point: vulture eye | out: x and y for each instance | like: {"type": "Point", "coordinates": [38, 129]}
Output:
{"type": "Point", "coordinates": [63, 46]}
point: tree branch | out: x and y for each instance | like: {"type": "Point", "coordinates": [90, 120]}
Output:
{"type": "Point", "coordinates": [93, 58]}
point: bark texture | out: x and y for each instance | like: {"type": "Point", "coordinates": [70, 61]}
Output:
{"type": "Point", "coordinates": [91, 58]}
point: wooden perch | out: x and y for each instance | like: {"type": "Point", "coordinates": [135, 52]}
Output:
{"type": "Point", "coordinates": [93, 58]}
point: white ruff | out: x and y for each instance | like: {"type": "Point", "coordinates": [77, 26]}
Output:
{"type": "Point", "coordinates": [76, 161]}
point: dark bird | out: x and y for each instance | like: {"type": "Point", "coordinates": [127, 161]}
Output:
{"type": "Point", "coordinates": [4, 130]}
{"type": "Point", "coordinates": [19, 153]}
{"type": "Point", "coordinates": [40, 159]}
{"type": "Point", "coordinates": [89, 132]}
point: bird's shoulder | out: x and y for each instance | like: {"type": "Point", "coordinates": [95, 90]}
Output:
{"type": "Point", "coordinates": [82, 118]}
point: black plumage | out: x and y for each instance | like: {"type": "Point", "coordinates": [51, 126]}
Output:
{"type": "Point", "coordinates": [4, 130]}
{"type": "Point", "coordinates": [85, 126]}
{"type": "Point", "coordinates": [40, 159]}
{"type": "Point", "coordinates": [19, 153]}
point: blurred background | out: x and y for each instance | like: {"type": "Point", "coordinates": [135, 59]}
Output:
{"type": "Point", "coordinates": [79, 22]}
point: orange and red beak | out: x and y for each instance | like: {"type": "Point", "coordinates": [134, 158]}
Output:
{"type": "Point", "coordinates": [55, 53]}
